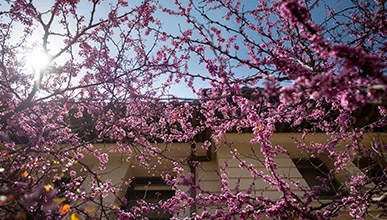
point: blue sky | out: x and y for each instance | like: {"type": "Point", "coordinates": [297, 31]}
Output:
{"type": "Point", "coordinates": [171, 25]}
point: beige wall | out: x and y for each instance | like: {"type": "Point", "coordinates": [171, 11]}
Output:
{"type": "Point", "coordinates": [207, 173]}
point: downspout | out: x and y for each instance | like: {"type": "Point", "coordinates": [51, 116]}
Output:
{"type": "Point", "coordinates": [192, 160]}
{"type": "Point", "coordinates": [192, 169]}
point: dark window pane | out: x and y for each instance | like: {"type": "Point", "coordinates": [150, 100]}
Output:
{"type": "Point", "coordinates": [152, 190]}
{"type": "Point", "coordinates": [312, 170]}
{"type": "Point", "coordinates": [372, 168]}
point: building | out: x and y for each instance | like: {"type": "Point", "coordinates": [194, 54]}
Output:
{"type": "Point", "coordinates": [293, 166]}
{"type": "Point", "coordinates": [207, 165]}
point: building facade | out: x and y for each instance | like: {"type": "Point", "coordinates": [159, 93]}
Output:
{"type": "Point", "coordinates": [293, 165]}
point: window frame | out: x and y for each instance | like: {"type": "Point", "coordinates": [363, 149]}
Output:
{"type": "Point", "coordinates": [312, 168]}
{"type": "Point", "coordinates": [142, 187]}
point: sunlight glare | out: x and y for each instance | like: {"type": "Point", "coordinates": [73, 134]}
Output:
{"type": "Point", "coordinates": [38, 60]}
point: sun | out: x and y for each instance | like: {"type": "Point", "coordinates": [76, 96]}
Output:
{"type": "Point", "coordinates": [38, 60]}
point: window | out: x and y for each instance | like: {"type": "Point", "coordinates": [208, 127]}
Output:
{"type": "Point", "coordinates": [152, 190]}
{"type": "Point", "coordinates": [313, 170]}
{"type": "Point", "coordinates": [372, 167]}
